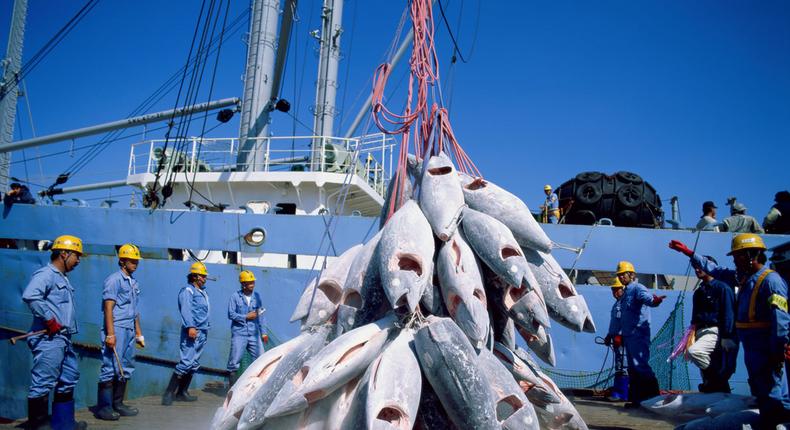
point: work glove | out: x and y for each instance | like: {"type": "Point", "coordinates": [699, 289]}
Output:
{"type": "Point", "coordinates": [607, 340]}
{"type": "Point", "coordinates": [265, 338]}
{"type": "Point", "coordinates": [53, 326]}
{"type": "Point", "coordinates": [109, 340]}
{"type": "Point", "coordinates": [681, 247]}
{"type": "Point", "coordinates": [251, 315]}
{"type": "Point", "coordinates": [192, 332]}
{"type": "Point", "coordinates": [658, 299]}
{"type": "Point", "coordinates": [787, 352]}
{"type": "Point", "coordinates": [729, 344]}
{"type": "Point", "coordinates": [617, 341]}
{"type": "Point", "coordinates": [140, 339]}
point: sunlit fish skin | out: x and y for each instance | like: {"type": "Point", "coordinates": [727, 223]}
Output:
{"type": "Point", "coordinates": [564, 303]}
{"type": "Point", "coordinates": [441, 197]}
{"type": "Point", "coordinates": [486, 197]}
{"type": "Point", "coordinates": [431, 412]}
{"type": "Point", "coordinates": [462, 289]}
{"type": "Point", "coordinates": [281, 367]}
{"type": "Point", "coordinates": [525, 307]}
{"type": "Point", "coordinates": [689, 406]}
{"type": "Point", "coordinates": [449, 363]}
{"type": "Point", "coordinates": [511, 403]}
{"type": "Point", "coordinates": [314, 417]}
{"type": "Point", "coordinates": [315, 309]}
{"type": "Point", "coordinates": [363, 289]}
{"type": "Point", "coordinates": [495, 246]}
{"type": "Point", "coordinates": [389, 394]}
{"type": "Point", "coordinates": [406, 254]}
{"type": "Point", "coordinates": [738, 420]}
{"type": "Point", "coordinates": [432, 302]}
{"type": "Point", "coordinates": [402, 196]}
{"type": "Point", "coordinates": [340, 417]}
{"type": "Point", "coordinates": [540, 343]}
{"type": "Point", "coordinates": [533, 387]}
{"type": "Point", "coordinates": [338, 363]}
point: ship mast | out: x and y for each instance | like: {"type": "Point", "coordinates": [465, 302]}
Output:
{"type": "Point", "coordinates": [8, 87]}
{"type": "Point", "coordinates": [326, 85]}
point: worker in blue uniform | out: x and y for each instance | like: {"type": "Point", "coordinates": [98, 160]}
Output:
{"type": "Point", "coordinates": [761, 320]}
{"type": "Point", "coordinates": [193, 305]}
{"type": "Point", "coordinates": [635, 326]}
{"type": "Point", "coordinates": [550, 209]}
{"type": "Point", "coordinates": [715, 347]}
{"type": "Point", "coordinates": [50, 297]}
{"type": "Point", "coordinates": [245, 312]}
{"type": "Point", "coordinates": [120, 333]}
{"type": "Point", "coordinates": [614, 339]}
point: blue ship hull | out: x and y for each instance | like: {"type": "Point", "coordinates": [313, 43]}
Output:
{"type": "Point", "coordinates": [160, 279]}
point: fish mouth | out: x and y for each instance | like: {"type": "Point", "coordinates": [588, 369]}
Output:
{"type": "Point", "coordinates": [509, 251]}
{"type": "Point", "coordinates": [353, 299]}
{"type": "Point", "coordinates": [394, 416]}
{"type": "Point", "coordinates": [507, 407]}
{"type": "Point", "coordinates": [410, 263]}
{"type": "Point", "coordinates": [476, 184]}
{"type": "Point", "coordinates": [439, 171]}
{"type": "Point", "coordinates": [332, 290]}
{"type": "Point", "coordinates": [565, 291]}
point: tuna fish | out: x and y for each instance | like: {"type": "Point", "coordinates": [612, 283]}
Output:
{"type": "Point", "coordinates": [447, 360]}
{"type": "Point", "coordinates": [462, 289]}
{"type": "Point", "coordinates": [431, 414]}
{"type": "Point", "coordinates": [564, 304]}
{"type": "Point", "coordinates": [486, 197]}
{"type": "Point", "coordinates": [739, 420]}
{"type": "Point", "coordinates": [383, 403]}
{"type": "Point", "coordinates": [508, 395]}
{"type": "Point", "coordinates": [340, 416]}
{"type": "Point", "coordinates": [531, 384]}
{"type": "Point", "coordinates": [526, 307]}
{"type": "Point", "coordinates": [314, 417]}
{"type": "Point", "coordinates": [495, 245]}
{"type": "Point", "coordinates": [406, 256]}
{"type": "Point", "coordinates": [539, 343]}
{"type": "Point", "coordinates": [441, 198]}
{"type": "Point", "coordinates": [317, 308]}
{"type": "Point", "coordinates": [363, 289]}
{"type": "Point", "coordinates": [404, 194]}
{"type": "Point", "coordinates": [334, 366]}
{"type": "Point", "coordinates": [688, 406]}
{"type": "Point", "coordinates": [282, 363]}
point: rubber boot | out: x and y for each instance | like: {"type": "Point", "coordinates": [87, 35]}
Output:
{"type": "Point", "coordinates": [37, 413]}
{"type": "Point", "coordinates": [104, 402]}
{"type": "Point", "coordinates": [170, 391]}
{"type": "Point", "coordinates": [63, 413]}
{"type": "Point", "coordinates": [118, 394]}
{"type": "Point", "coordinates": [182, 395]}
{"type": "Point", "coordinates": [233, 376]}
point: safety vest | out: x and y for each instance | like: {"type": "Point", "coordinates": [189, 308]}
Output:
{"type": "Point", "coordinates": [752, 322]}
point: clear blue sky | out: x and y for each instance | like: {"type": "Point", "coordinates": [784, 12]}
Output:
{"type": "Point", "coordinates": [694, 96]}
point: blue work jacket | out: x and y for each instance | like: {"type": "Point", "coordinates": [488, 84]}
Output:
{"type": "Point", "coordinates": [237, 314]}
{"type": "Point", "coordinates": [49, 294]}
{"type": "Point", "coordinates": [714, 306]}
{"type": "Point", "coordinates": [768, 308]}
{"type": "Point", "coordinates": [125, 292]}
{"type": "Point", "coordinates": [194, 307]}
{"type": "Point", "coordinates": [614, 319]}
{"type": "Point", "coordinates": [635, 309]}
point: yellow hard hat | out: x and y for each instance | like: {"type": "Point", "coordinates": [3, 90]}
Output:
{"type": "Point", "coordinates": [198, 268]}
{"type": "Point", "coordinates": [547, 188]}
{"type": "Point", "coordinates": [624, 267]}
{"type": "Point", "coordinates": [246, 276]}
{"type": "Point", "coordinates": [129, 251]}
{"type": "Point", "coordinates": [617, 283]}
{"type": "Point", "coordinates": [746, 241]}
{"type": "Point", "coordinates": [68, 243]}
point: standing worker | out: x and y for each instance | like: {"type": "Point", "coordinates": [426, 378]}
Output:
{"type": "Point", "coordinates": [761, 320]}
{"type": "Point", "coordinates": [550, 211]}
{"type": "Point", "coordinates": [715, 347]}
{"type": "Point", "coordinates": [614, 338]}
{"type": "Point", "coordinates": [120, 333]}
{"type": "Point", "coordinates": [738, 221]}
{"type": "Point", "coordinates": [778, 219]}
{"type": "Point", "coordinates": [193, 305]}
{"type": "Point", "coordinates": [245, 311]}
{"type": "Point", "coordinates": [50, 297]}
{"type": "Point", "coordinates": [707, 221]}
{"type": "Point", "coordinates": [635, 326]}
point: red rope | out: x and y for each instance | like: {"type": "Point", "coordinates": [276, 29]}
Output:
{"type": "Point", "coordinates": [431, 123]}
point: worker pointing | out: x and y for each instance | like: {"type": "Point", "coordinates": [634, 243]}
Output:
{"type": "Point", "coordinates": [761, 320]}
{"type": "Point", "coordinates": [635, 326]}
{"type": "Point", "coordinates": [193, 305]}
{"type": "Point", "coordinates": [245, 312]}
{"type": "Point", "coordinates": [120, 333]}
{"type": "Point", "coordinates": [50, 296]}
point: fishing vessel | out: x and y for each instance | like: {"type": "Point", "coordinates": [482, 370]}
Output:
{"type": "Point", "coordinates": [281, 205]}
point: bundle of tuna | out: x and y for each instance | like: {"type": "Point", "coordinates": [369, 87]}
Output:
{"type": "Point", "coordinates": [417, 327]}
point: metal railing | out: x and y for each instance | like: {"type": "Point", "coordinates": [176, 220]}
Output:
{"type": "Point", "coordinates": [269, 154]}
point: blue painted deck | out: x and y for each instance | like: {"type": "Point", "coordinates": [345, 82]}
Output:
{"type": "Point", "coordinates": [161, 279]}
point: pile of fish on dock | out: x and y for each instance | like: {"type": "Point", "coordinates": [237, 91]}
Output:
{"type": "Point", "coordinates": [417, 327]}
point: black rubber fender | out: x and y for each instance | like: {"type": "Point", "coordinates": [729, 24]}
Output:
{"type": "Point", "coordinates": [589, 193]}
{"type": "Point", "coordinates": [630, 195]}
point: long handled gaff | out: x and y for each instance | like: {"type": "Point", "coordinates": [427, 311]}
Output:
{"type": "Point", "coordinates": [118, 360]}
{"type": "Point", "coordinates": [14, 339]}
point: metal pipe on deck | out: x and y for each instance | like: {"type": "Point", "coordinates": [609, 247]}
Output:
{"type": "Point", "coordinates": [86, 187]}
{"type": "Point", "coordinates": [115, 125]}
